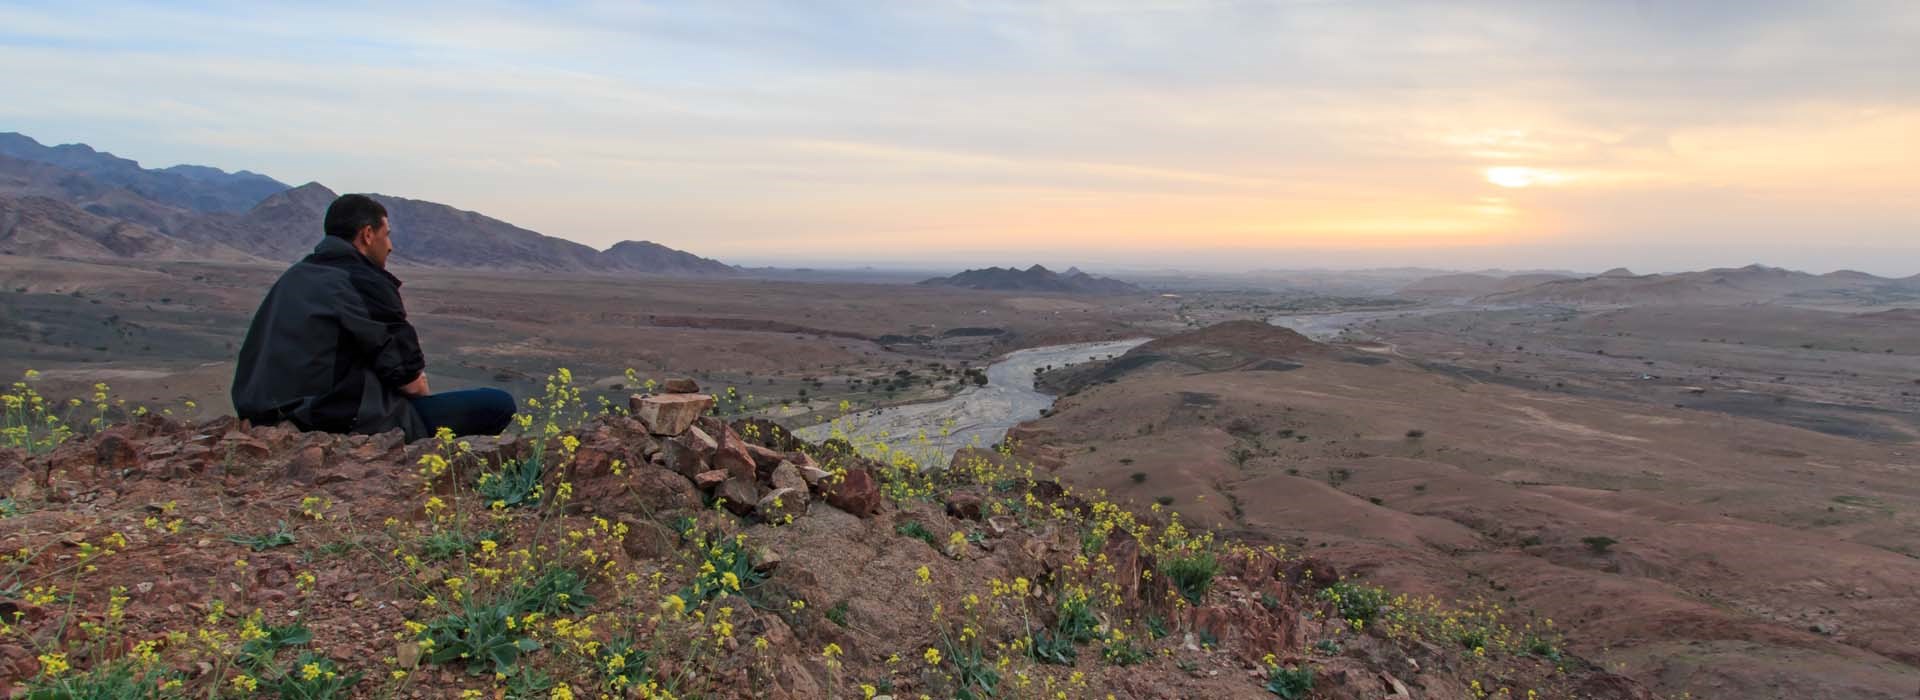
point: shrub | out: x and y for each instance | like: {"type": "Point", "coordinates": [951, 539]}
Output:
{"type": "Point", "coordinates": [1599, 543]}
{"type": "Point", "coordinates": [1416, 433]}
{"type": "Point", "coordinates": [280, 537]}
{"type": "Point", "coordinates": [1164, 500]}
{"type": "Point", "coordinates": [1354, 601]}
{"type": "Point", "coordinates": [516, 483]}
{"type": "Point", "coordinates": [1290, 683]}
{"type": "Point", "coordinates": [1138, 477]}
{"type": "Point", "coordinates": [622, 665]}
{"type": "Point", "coordinates": [447, 544]}
{"type": "Point", "coordinates": [838, 613]}
{"type": "Point", "coordinates": [480, 635]}
{"type": "Point", "coordinates": [558, 591]}
{"type": "Point", "coordinates": [113, 681]}
{"type": "Point", "coordinates": [1192, 575]}
{"type": "Point", "coordinates": [917, 531]}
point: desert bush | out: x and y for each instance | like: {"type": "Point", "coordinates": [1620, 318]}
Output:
{"type": "Point", "coordinates": [280, 537]}
{"type": "Point", "coordinates": [1290, 683]}
{"type": "Point", "coordinates": [1354, 601]}
{"type": "Point", "coordinates": [1192, 574]}
{"type": "Point", "coordinates": [1599, 544]}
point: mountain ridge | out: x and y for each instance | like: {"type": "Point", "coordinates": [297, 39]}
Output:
{"type": "Point", "coordinates": [1036, 278]}
{"type": "Point", "coordinates": [193, 212]}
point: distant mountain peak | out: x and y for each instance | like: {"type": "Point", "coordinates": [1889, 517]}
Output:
{"type": "Point", "coordinates": [1035, 279]}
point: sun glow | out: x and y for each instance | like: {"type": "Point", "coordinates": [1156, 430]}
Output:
{"type": "Point", "coordinates": [1516, 177]}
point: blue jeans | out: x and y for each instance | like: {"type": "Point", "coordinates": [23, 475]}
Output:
{"type": "Point", "coordinates": [467, 412]}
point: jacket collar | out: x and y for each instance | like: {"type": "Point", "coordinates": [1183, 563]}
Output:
{"type": "Point", "coordinates": [337, 248]}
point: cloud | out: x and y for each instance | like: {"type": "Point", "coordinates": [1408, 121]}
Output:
{"type": "Point", "coordinates": [903, 130]}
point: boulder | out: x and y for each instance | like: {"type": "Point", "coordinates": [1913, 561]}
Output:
{"type": "Point", "coordinates": [965, 505]}
{"type": "Point", "coordinates": [660, 491]}
{"type": "Point", "coordinates": [787, 476]}
{"type": "Point", "coordinates": [114, 451]}
{"type": "Point", "coordinates": [779, 504]}
{"type": "Point", "coordinates": [671, 414]}
{"type": "Point", "coordinates": [707, 480]}
{"type": "Point", "coordinates": [856, 492]}
{"type": "Point", "coordinates": [648, 539]}
{"type": "Point", "coordinates": [688, 453]}
{"type": "Point", "coordinates": [680, 385]}
{"type": "Point", "coordinates": [741, 495]}
{"type": "Point", "coordinates": [732, 456]}
{"type": "Point", "coordinates": [764, 458]}
{"type": "Point", "coordinates": [814, 475]}
{"type": "Point", "coordinates": [306, 463]}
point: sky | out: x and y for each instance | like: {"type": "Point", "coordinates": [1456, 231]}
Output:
{"type": "Point", "coordinates": [1109, 134]}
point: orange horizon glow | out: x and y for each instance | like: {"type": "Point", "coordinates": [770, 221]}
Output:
{"type": "Point", "coordinates": [1129, 132]}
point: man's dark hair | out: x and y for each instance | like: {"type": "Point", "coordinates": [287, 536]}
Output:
{"type": "Point", "coordinates": [347, 214]}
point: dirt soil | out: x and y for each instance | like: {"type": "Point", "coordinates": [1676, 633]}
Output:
{"type": "Point", "coordinates": [165, 333]}
{"type": "Point", "coordinates": [163, 510]}
{"type": "Point", "coordinates": [1695, 550]}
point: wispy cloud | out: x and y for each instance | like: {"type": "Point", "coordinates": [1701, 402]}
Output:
{"type": "Point", "coordinates": [858, 130]}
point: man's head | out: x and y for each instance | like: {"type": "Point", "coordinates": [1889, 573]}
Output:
{"type": "Point", "coordinates": [363, 222]}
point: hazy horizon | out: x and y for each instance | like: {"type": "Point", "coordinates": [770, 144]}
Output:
{"type": "Point", "coordinates": [1204, 136]}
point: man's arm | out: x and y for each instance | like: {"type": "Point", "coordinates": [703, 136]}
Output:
{"type": "Point", "coordinates": [417, 388]}
{"type": "Point", "coordinates": [377, 321]}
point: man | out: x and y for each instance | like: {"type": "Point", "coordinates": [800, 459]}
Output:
{"type": "Point", "coordinates": [330, 348]}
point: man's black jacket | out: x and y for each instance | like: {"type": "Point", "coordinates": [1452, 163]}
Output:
{"type": "Point", "coordinates": [329, 349]}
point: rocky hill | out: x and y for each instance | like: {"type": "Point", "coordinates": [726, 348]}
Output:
{"type": "Point", "coordinates": [663, 552]}
{"type": "Point", "coordinates": [1753, 284]}
{"type": "Point", "coordinates": [199, 213]}
{"type": "Point", "coordinates": [46, 227]}
{"type": "Point", "coordinates": [1036, 279]}
{"type": "Point", "coordinates": [1469, 285]}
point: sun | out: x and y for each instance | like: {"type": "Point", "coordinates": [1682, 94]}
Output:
{"type": "Point", "coordinates": [1511, 176]}
{"type": "Point", "coordinates": [1516, 177]}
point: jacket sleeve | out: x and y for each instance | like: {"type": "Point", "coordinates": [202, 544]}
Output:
{"type": "Point", "coordinates": [376, 320]}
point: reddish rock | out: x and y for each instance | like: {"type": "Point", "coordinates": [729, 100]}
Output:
{"type": "Point", "coordinates": [659, 491]}
{"type": "Point", "coordinates": [787, 476]}
{"type": "Point", "coordinates": [765, 458]}
{"type": "Point", "coordinates": [1310, 572]}
{"type": "Point", "coordinates": [16, 662]}
{"type": "Point", "coordinates": [1256, 567]}
{"type": "Point", "coordinates": [732, 456]}
{"type": "Point", "coordinates": [689, 453]}
{"type": "Point", "coordinates": [115, 452]}
{"type": "Point", "coordinates": [1123, 553]}
{"type": "Point", "coordinates": [741, 495]}
{"type": "Point", "coordinates": [680, 385]}
{"type": "Point", "coordinates": [708, 479]}
{"type": "Point", "coordinates": [855, 492]}
{"type": "Point", "coordinates": [671, 414]}
{"type": "Point", "coordinates": [779, 504]}
{"type": "Point", "coordinates": [964, 505]}
{"type": "Point", "coordinates": [595, 461]}
{"type": "Point", "coordinates": [647, 538]}
{"type": "Point", "coordinates": [245, 449]}
{"type": "Point", "coordinates": [1247, 628]}
{"type": "Point", "coordinates": [813, 475]}
{"type": "Point", "coordinates": [306, 463]}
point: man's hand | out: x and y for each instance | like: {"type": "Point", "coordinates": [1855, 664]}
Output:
{"type": "Point", "coordinates": [416, 388]}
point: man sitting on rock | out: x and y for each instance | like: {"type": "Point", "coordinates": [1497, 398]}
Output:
{"type": "Point", "coordinates": [330, 348]}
